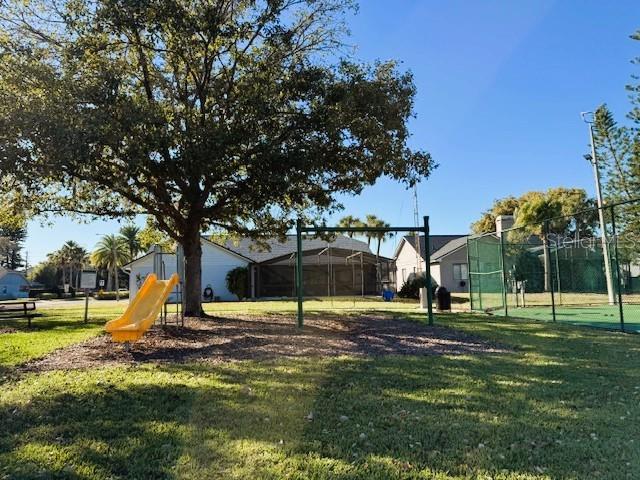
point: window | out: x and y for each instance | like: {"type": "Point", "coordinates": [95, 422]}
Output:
{"type": "Point", "coordinates": [404, 274]}
{"type": "Point", "coordinates": [460, 272]}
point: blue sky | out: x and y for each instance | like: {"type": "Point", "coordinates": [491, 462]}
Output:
{"type": "Point", "coordinates": [500, 84]}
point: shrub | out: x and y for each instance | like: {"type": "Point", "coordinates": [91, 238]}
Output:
{"type": "Point", "coordinates": [47, 296]}
{"type": "Point", "coordinates": [411, 288]}
{"type": "Point", "coordinates": [238, 282]}
{"type": "Point", "coordinates": [51, 295]}
{"type": "Point", "coordinates": [102, 295]}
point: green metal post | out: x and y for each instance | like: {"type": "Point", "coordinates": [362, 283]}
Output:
{"type": "Point", "coordinates": [469, 274]}
{"type": "Point", "coordinates": [548, 264]}
{"type": "Point", "coordinates": [427, 261]}
{"type": "Point", "coordinates": [504, 276]}
{"type": "Point", "coordinates": [558, 278]}
{"type": "Point", "coordinates": [615, 250]}
{"type": "Point", "coordinates": [479, 276]}
{"type": "Point", "coordinates": [299, 273]}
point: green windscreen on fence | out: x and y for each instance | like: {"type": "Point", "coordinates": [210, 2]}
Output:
{"type": "Point", "coordinates": [582, 269]}
{"type": "Point", "coordinates": [485, 273]}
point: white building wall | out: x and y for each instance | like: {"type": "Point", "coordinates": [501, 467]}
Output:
{"type": "Point", "coordinates": [216, 262]}
{"type": "Point", "coordinates": [406, 264]}
{"type": "Point", "coordinates": [436, 275]}
{"type": "Point", "coordinates": [143, 267]}
{"type": "Point", "coordinates": [446, 271]}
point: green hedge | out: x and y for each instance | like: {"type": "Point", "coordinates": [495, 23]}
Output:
{"type": "Point", "coordinates": [411, 288]}
{"type": "Point", "coordinates": [110, 295]}
{"type": "Point", "coordinates": [52, 296]}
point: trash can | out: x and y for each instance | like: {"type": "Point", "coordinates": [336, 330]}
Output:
{"type": "Point", "coordinates": [443, 299]}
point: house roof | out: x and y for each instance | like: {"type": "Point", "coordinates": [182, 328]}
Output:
{"type": "Point", "coordinates": [5, 272]}
{"type": "Point", "coordinates": [447, 249]}
{"type": "Point", "coordinates": [249, 249]}
{"type": "Point", "coordinates": [275, 248]}
{"type": "Point", "coordinates": [136, 260]}
{"type": "Point", "coordinates": [230, 250]}
{"type": "Point", "coordinates": [436, 243]}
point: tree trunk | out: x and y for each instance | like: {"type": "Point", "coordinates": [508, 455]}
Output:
{"type": "Point", "coordinates": [193, 274]}
{"type": "Point", "coordinates": [116, 282]}
{"type": "Point", "coordinates": [547, 265]}
{"type": "Point", "coordinates": [108, 278]}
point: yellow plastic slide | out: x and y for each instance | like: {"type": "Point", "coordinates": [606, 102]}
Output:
{"type": "Point", "coordinates": [143, 309]}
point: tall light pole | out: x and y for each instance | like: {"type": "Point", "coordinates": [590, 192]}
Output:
{"type": "Point", "coordinates": [416, 220]}
{"type": "Point", "coordinates": [587, 117]}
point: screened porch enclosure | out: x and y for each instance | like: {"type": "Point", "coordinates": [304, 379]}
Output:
{"type": "Point", "coordinates": [326, 272]}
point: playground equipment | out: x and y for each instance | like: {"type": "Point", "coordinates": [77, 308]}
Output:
{"type": "Point", "coordinates": [143, 310]}
{"type": "Point", "coordinates": [160, 269]}
{"type": "Point", "coordinates": [425, 293]}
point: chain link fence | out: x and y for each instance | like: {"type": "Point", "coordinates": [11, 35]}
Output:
{"type": "Point", "coordinates": [582, 268]}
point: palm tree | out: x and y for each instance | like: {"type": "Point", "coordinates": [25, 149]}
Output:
{"type": "Point", "coordinates": [130, 234]}
{"type": "Point", "coordinates": [381, 236]}
{"type": "Point", "coordinates": [74, 257]}
{"type": "Point", "coordinates": [111, 253]}
{"type": "Point", "coordinates": [371, 221]}
{"type": "Point", "coordinates": [59, 260]}
{"type": "Point", "coordinates": [350, 222]}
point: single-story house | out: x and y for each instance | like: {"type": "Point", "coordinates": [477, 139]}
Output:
{"type": "Point", "coordinates": [217, 260]}
{"type": "Point", "coordinates": [448, 257]}
{"type": "Point", "coordinates": [13, 285]}
{"type": "Point", "coordinates": [448, 261]}
{"type": "Point", "coordinates": [342, 266]}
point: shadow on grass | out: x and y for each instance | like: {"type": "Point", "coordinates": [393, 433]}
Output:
{"type": "Point", "coordinates": [562, 406]}
{"type": "Point", "coordinates": [20, 343]}
{"type": "Point", "coordinates": [109, 431]}
{"type": "Point", "coordinates": [153, 422]}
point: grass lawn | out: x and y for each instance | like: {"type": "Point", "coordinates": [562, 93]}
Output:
{"type": "Point", "coordinates": [56, 328]}
{"type": "Point", "coordinates": [563, 404]}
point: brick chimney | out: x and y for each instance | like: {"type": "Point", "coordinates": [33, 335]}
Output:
{"type": "Point", "coordinates": [503, 222]}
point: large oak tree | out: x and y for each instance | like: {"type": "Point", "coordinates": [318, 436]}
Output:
{"type": "Point", "coordinates": [226, 114]}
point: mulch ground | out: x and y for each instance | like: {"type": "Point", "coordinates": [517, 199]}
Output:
{"type": "Point", "coordinates": [259, 338]}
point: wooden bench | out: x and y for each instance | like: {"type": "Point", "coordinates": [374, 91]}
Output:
{"type": "Point", "coordinates": [18, 309]}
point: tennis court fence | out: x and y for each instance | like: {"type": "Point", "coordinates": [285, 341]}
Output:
{"type": "Point", "coordinates": [582, 268]}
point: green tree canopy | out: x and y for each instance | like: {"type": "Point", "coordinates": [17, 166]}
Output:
{"type": "Point", "coordinates": [13, 233]}
{"type": "Point", "coordinates": [209, 113]}
{"type": "Point", "coordinates": [529, 206]}
{"type": "Point", "coordinates": [45, 273]}
{"type": "Point", "coordinates": [618, 151]}
{"type": "Point", "coordinates": [503, 206]}
{"type": "Point", "coordinates": [150, 235]}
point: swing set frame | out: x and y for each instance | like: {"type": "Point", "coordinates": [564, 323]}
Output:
{"type": "Point", "coordinates": [302, 229]}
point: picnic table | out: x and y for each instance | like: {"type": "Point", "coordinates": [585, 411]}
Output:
{"type": "Point", "coordinates": [18, 309]}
